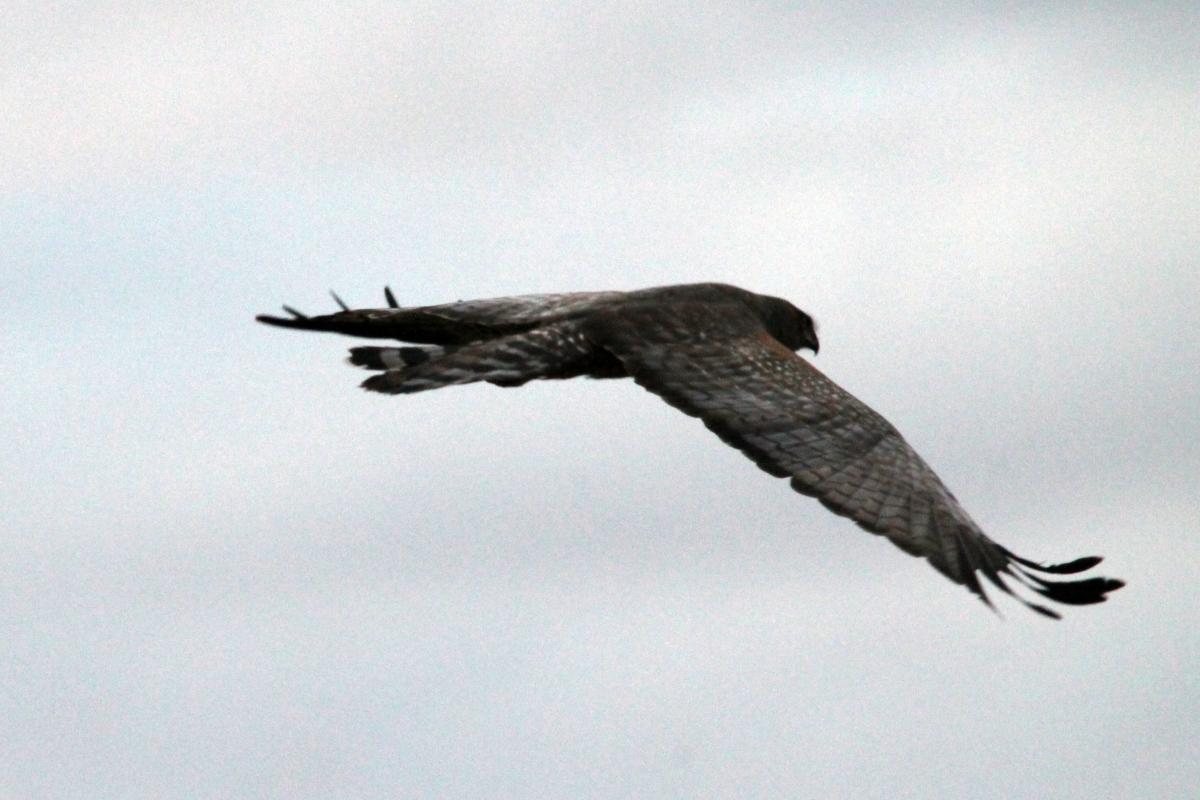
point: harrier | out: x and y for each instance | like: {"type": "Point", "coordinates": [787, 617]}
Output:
{"type": "Point", "coordinates": [727, 356]}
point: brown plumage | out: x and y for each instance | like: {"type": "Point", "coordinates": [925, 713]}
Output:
{"type": "Point", "coordinates": [724, 355]}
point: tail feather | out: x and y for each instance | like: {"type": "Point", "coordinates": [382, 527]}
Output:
{"type": "Point", "coordinates": [463, 366]}
{"type": "Point", "coordinates": [383, 358]}
{"type": "Point", "coordinates": [555, 351]}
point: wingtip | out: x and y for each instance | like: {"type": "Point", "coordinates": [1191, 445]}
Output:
{"type": "Point", "coordinates": [279, 322]}
{"type": "Point", "coordinates": [1066, 568]}
{"type": "Point", "coordinates": [1032, 576]}
{"type": "Point", "coordinates": [1073, 592]}
{"type": "Point", "coordinates": [1048, 613]}
{"type": "Point", "coordinates": [294, 319]}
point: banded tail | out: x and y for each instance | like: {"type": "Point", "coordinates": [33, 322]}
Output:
{"type": "Point", "coordinates": [506, 342]}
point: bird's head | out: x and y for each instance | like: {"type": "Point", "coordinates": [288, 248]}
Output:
{"type": "Point", "coordinates": [791, 326]}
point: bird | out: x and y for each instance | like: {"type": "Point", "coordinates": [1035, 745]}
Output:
{"type": "Point", "coordinates": [731, 358]}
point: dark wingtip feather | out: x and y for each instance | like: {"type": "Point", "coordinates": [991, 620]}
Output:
{"type": "Point", "coordinates": [283, 322]}
{"type": "Point", "coordinates": [338, 300]}
{"type": "Point", "coordinates": [391, 298]}
{"type": "Point", "coordinates": [1066, 568]}
{"type": "Point", "coordinates": [993, 563]}
{"type": "Point", "coordinates": [296, 314]}
{"type": "Point", "coordinates": [1078, 565]}
{"type": "Point", "coordinates": [1078, 593]}
{"type": "Point", "coordinates": [1045, 612]}
{"type": "Point", "coordinates": [1081, 592]}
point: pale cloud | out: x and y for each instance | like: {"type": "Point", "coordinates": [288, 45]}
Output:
{"type": "Point", "coordinates": [227, 571]}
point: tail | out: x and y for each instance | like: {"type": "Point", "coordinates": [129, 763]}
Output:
{"type": "Point", "coordinates": [394, 357]}
{"type": "Point", "coordinates": [555, 351]}
{"type": "Point", "coordinates": [425, 325]}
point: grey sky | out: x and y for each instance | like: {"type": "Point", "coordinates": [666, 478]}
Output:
{"type": "Point", "coordinates": [225, 571]}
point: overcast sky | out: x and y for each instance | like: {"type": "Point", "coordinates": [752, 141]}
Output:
{"type": "Point", "coordinates": [227, 572]}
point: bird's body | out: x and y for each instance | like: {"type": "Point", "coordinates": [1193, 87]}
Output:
{"type": "Point", "coordinates": [727, 356]}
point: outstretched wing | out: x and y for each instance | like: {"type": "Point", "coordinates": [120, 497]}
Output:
{"type": "Point", "coordinates": [458, 323]}
{"type": "Point", "coordinates": [718, 363]}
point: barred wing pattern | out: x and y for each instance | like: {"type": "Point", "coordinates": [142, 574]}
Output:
{"type": "Point", "coordinates": [757, 395]}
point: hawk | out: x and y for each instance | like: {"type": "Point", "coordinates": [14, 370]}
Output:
{"type": "Point", "coordinates": [729, 357]}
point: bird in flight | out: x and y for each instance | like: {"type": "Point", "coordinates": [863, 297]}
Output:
{"type": "Point", "coordinates": [727, 356]}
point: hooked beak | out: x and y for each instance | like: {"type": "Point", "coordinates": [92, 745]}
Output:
{"type": "Point", "coordinates": [810, 341]}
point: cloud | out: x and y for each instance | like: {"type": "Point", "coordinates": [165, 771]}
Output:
{"type": "Point", "coordinates": [230, 572]}
{"type": "Point", "coordinates": [512, 90]}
